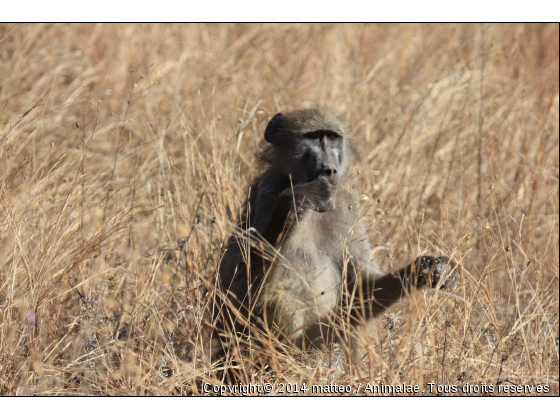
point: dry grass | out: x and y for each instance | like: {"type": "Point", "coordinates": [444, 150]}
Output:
{"type": "Point", "coordinates": [125, 151]}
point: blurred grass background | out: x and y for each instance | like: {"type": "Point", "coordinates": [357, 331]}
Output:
{"type": "Point", "coordinates": [125, 152]}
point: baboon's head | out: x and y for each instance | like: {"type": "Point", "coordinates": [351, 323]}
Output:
{"type": "Point", "coordinates": [307, 144]}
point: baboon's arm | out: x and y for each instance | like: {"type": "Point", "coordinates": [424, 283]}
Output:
{"type": "Point", "coordinates": [280, 224]}
{"type": "Point", "coordinates": [292, 203]}
{"type": "Point", "coordinates": [284, 215]}
{"type": "Point", "coordinates": [374, 295]}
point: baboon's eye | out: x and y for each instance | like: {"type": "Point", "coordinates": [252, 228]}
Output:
{"type": "Point", "coordinates": [333, 136]}
{"type": "Point", "coordinates": [313, 135]}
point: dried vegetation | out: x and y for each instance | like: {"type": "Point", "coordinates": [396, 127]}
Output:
{"type": "Point", "coordinates": [125, 152]}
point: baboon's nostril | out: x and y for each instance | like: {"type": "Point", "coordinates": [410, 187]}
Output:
{"type": "Point", "coordinates": [328, 172]}
{"type": "Point", "coordinates": [335, 171]}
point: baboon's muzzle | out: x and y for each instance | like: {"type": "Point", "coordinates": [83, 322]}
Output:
{"type": "Point", "coordinates": [331, 172]}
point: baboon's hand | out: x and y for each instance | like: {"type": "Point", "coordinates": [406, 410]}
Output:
{"type": "Point", "coordinates": [438, 271]}
{"type": "Point", "coordinates": [318, 195]}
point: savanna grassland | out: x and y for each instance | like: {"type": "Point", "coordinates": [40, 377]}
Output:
{"type": "Point", "coordinates": [125, 152]}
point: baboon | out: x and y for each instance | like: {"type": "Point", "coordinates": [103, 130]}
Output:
{"type": "Point", "coordinates": [301, 263]}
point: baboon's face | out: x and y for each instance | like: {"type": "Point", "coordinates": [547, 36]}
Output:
{"type": "Point", "coordinates": [308, 144]}
{"type": "Point", "coordinates": [322, 156]}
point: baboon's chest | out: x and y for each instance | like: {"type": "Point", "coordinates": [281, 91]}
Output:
{"type": "Point", "coordinates": [314, 259]}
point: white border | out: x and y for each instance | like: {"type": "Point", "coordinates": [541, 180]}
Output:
{"type": "Point", "coordinates": [278, 11]}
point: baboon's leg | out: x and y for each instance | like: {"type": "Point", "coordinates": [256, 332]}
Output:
{"type": "Point", "coordinates": [373, 295]}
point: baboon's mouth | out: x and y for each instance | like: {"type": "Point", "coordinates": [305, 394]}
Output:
{"type": "Point", "coordinates": [332, 180]}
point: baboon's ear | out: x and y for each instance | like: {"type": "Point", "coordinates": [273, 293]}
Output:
{"type": "Point", "coordinates": [273, 126]}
